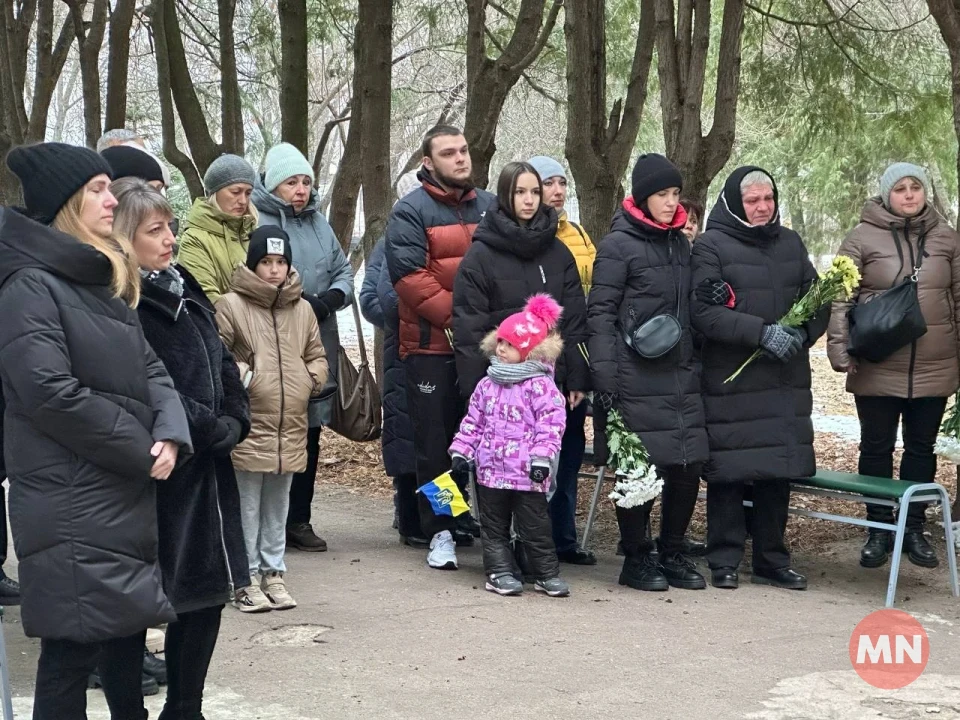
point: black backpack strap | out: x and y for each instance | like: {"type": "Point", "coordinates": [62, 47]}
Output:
{"type": "Point", "coordinates": [579, 230]}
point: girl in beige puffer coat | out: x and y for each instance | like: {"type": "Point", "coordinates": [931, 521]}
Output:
{"type": "Point", "coordinates": [275, 338]}
{"type": "Point", "coordinates": [912, 384]}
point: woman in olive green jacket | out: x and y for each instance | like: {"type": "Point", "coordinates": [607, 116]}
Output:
{"type": "Point", "coordinates": [217, 232]}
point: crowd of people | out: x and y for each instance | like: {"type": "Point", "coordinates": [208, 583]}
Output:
{"type": "Point", "coordinates": [166, 386]}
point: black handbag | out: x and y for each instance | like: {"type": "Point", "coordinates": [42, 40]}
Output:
{"type": "Point", "coordinates": [658, 335]}
{"type": "Point", "coordinates": [892, 320]}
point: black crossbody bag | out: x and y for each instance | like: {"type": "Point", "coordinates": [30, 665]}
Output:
{"type": "Point", "coordinates": [892, 320]}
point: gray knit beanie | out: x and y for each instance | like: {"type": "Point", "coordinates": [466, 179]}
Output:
{"type": "Point", "coordinates": [547, 167]}
{"type": "Point", "coordinates": [227, 170]}
{"type": "Point", "coordinates": [407, 183]}
{"type": "Point", "coordinates": [897, 172]}
{"type": "Point", "coordinates": [284, 161]}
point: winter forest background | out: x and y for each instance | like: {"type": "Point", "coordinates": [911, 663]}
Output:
{"type": "Point", "coordinates": [823, 93]}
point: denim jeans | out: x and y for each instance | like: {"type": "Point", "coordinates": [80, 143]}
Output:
{"type": "Point", "coordinates": [264, 501]}
{"type": "Point", "coordinates": [63, 669]}
{"type": "Point", "coordinates": [563, 504]}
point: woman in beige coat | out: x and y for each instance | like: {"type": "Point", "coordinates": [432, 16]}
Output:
{"type": "Point", "coordinates": [912, 385]}
{"type": "Point", "coordinates": [275, 338]}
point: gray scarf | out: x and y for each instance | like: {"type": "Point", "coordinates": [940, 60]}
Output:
{"type": "Point", "coordinates": [169, 279]}
{"type": "Point", "coordinates": [513, 373]}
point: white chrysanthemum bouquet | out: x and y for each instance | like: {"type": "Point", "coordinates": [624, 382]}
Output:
{"type": "Point", "coordinates": [637, 481]}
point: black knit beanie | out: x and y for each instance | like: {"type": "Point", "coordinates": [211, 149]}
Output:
{"type": "Point", "coordinates": [127, 161]}
{"type": "Point", "coordinates": [268, 240]}
{"type": "Point", "coordinates": [651, 174]}
{"type": "Point", "coordinates": [733, 195]}
{"type": "Point", "coordinates": [52, 173]}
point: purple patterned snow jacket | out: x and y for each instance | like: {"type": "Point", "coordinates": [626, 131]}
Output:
{"type": "Point", "coordinates": [509, 425]}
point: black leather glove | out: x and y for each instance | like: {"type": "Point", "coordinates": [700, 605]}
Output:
{"type": "Point", "coordinates": [779, 342]}
{"type": "Point", "coordinates": [601, 454]}
{"type": "Point", "coordinates": [228, 436]}
{"type": "Point", "coordinates": [605, 401]}
{"type": "Point", "coordinates": [713, 292]}
{"type": "Point", "coordinates": [333, 299]}
{"type": "Point", "coordinates": [320, 309]}
{"type": "Point", "coordinates": [460, 471]}
{"type": "Point", "coordinates": [539, 472]}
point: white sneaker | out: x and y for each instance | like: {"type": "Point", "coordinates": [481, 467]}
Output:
{"type": "Point", "coordinates": [155, 638]}
{"type": "Point", "coordinates": [443, 552]}
{"type": "Point", "coordinates": [251, 599]}
{"type": "Point", "coordinates": [275, 589]}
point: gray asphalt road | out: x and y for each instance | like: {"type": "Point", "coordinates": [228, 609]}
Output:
{"type": "Point", "coordinates": [378, 635]}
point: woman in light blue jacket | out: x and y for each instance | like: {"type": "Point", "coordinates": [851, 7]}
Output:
{"type": "Point", "coordinates": [285, 196]}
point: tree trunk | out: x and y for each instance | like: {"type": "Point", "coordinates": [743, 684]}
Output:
{"type": "Point", "coordinates": [168, 121]}
{"type": "Point", "coordinates": [375, 57]}
{"type": "Point", "coordinates": [947, 15]}
{"type": "Point", "coordinates": [489, 81]}
{"type": "Point", "coordinates": [231, 112]}
{"type": "Point", "coordinates": [35, 19]}
{"type": "Point", "coordinates": [683, 44]}
{"type": "Point", "coordinates": [600, 140]}
{"type": "Point", "coordinates": [89, 43]}
{"type": "Point", "coordinates": [118, 64]}
{"type": "Point", "coordinates": [294, 73]}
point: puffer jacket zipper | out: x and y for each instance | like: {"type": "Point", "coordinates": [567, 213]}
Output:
{"type": "Point", "coordinates": [216, 488]}
{"type": "Point", "coordinates": [276, 337]}
{"type": "Point", "coordinates": [913, 263]}
{"type": "Point", "coordinates": [676, 369]}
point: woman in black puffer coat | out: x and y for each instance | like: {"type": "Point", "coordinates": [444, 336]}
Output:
{"type": "Point", "coordinates": [513, 257]}
{"type": "Point", "coordinates": [748, 270]}
{"type": "Point", "coordinates": [202, 554]}
{"type": "Point", "coordinates": [642, 270]}
{"type": "Point", "coordinates": [379, 305]}
{"type": "Point", "coordinates": [92, 422]}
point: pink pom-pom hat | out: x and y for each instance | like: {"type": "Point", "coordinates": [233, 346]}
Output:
{"type": "Point", "coordinates": [531, 326]}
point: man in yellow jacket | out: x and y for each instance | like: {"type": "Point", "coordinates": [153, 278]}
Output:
{"type": "Point", "coordinates": [563, 505]}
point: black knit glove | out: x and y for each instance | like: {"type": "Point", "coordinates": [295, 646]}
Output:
{"type": "Point", "coordinates": [778, 342]}
{"type": "Point", "coordinates": [228, 436]}
{"type": "Point", "coordinates": [539, 472]}
{"type": "Point", "coordinates": [605, 401]}
{"type": "Point", "coordinates": [713, 292]}
{"type": "Point", "coordinates": [320, 309]}
{"type": "Point", "coordinates": [460, 470]}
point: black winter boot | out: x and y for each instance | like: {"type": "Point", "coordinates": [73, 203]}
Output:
{"type": "Point", "coordinates": [680, 571]}
{"type": "Point", "coordinates": [876, 550]}
{"type": "Point", "coordinates": [643, 572]}
{"type": "Point", "coordinates": [918, 550]}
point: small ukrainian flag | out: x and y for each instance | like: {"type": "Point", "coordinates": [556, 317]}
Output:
{"type": "Point", "coordinates": [444, 496]}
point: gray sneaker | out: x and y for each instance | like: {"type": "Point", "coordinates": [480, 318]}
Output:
{"type": "Point", "coordinates": [553, 587]}
{"type": "Point", "coordinates": [504, 584]}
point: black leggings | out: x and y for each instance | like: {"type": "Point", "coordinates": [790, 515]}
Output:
{"type": "Point", "coordinates": [681, 484]}
{"type": "Point", "coordinates": [188, 649]}
{"type": "Point", "coordinates": [63, 669]}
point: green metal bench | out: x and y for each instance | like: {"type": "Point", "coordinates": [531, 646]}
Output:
{"type": "Point", "coordinates": [858, 489]}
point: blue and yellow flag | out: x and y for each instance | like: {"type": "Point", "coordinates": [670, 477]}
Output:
{"type": "Point", "coordinates": [444, 496]}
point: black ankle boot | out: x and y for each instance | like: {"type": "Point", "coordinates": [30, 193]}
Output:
{"type": "Point", "coordinates": [642, 572]}
{"type": "Point", "coordinates": [918, 550]}
{"type": "Point", "coordinates": [681, 572]}
{"type": "Point", "coordinates": [876, 550]}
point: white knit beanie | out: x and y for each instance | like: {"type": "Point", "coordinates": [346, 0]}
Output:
{"type": "Point", "coordinates": [284, 161]}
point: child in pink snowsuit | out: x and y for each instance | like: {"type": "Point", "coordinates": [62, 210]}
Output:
{"type": "Point", "coordinates": [512, 433]}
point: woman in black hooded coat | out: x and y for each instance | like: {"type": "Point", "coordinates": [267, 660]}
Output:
{"type": "Point", "coordinates": [202, 554]}
{"type": "Point", "coordinates": [642, 271]}
{"type": "Point", "coordinates": [510, 260]}
{"type": "Point", "coordinates": [748, 270]}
